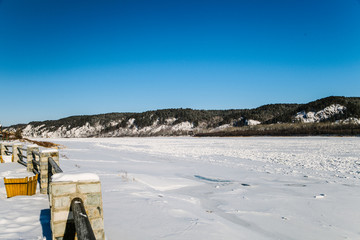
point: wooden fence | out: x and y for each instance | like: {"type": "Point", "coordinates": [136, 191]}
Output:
{"type": "Point", "coordinates": [22, 156]}
{"type": "Point", "coordinates": [20, 186]}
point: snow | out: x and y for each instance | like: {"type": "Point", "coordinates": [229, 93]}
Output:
{"type": "Point", "coordinates": [63, 177]}
{"type": "Point", "coordinates": [14, 170]}
{"type": "Point", "coordinates": [131, 121]}
{"type": "Point", "coordinates": [221, 127]}
{"type": "Point", "coordinates": [183, 126]}
{"type": "Point", "coordinates": [49, 150]}
{"type": "Point", "coordinates": [32, 145]}
{"type": "Point", "coordinates": [213, 188]}
{"type": "Point", "coordinates": [170, 120]}
{"type": "Point", "coordinates": [350, 120]}
{"type": "Point", "coordinates": [22, 217]}
{"type": "Point", "coordinates": [6, 159]}
{"type": "Point", "coordinates": [252, 122]}
{"type": "Point", "coordinates": [160, 183]}
{"type": "Point", "coordinates": [131, 130]}
{"type": "Point", "coordinates": [311, 117]}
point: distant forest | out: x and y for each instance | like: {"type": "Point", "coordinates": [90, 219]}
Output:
{"type": "Point", "coordinates": [268, 115]}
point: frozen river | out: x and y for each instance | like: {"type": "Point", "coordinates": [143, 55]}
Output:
{"type": "Point", "coordinates": [222, 188]}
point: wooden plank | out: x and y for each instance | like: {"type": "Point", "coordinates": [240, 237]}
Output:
{"type": "Point", "coordinates": [20, 186]}
{"type": "Point", "coordinates": [81, 220]}
{"type": "Point", "coordinates": [54, 165]}
{"type": "Point", "coordinates": [22, 163]}
{"type": "Point", "coordinates": [35, 153]}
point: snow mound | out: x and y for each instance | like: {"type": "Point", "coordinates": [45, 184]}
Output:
{"type": "Point", "coordinates": [62, 177]}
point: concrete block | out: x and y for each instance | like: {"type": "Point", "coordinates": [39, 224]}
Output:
{"type": "Point", "coordinates": [89, 188]}
{"type": "Point", "coordinates": [93, 199]}
{"type": "Point", "coordinates": [63, 189]}
{"type": "Point", "coordinates": [29, 151]}
{"type": "Point", "coordinates": [43, 168]}
{"type": "Point", "coordinates": [97, 224]}
{"type": "Point", "coordinates": [61, 202]}
{"type": "Point", "coordinates": [58, 229]}
{"type": "Point", "coordinates": [62, 216]}
{"type": "Point", "coordinates": [99, 234]}
{"type": "Point", "coordinates": [93, 212]}
{"type": "Point", "coordinates": [15, 152]}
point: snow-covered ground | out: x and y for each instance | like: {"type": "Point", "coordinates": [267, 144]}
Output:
{"type": "Point", "coordinates": [22, 217]}
{"type": "Point", "coordinates": [217, 188]}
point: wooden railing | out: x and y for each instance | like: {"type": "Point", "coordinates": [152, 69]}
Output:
{"type": "Point", "coordinates": [22, 156]}
{"type": "Point", "coordinates": [36, 164]}
{"type": "Point", "coordinates": [52, 165]}
{"type": "Point", "coordinates": [7, 151]}
{"type": "Point", "coordinates": [81, 221]}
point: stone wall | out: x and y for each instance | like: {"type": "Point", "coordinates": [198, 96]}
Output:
{"type": "Point", "coordinates": [62, 193]}
{"type": "Point", "coordinates": [63, 188]}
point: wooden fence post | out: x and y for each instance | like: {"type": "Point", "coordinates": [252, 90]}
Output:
{"type": "Point", "coordinates": [44, 162]}
{"type": "Point", "coordinates": [29, 156]}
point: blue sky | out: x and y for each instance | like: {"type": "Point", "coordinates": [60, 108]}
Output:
{"type": "Point", "coordinates": [63, 58]}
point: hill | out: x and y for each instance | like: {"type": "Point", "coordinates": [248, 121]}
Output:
{"type": "Point", "coordinates": [326, 113]}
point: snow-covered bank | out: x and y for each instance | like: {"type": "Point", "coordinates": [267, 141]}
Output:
{"type": "Point", "coordinates": [223, 188]}
{"type": "Point", "coordinates": [214, 188]}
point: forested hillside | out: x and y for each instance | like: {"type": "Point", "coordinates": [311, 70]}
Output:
{"type": "Point", "coordinates": [168, 122]}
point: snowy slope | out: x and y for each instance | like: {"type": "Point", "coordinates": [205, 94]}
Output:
{"type": "Point", "coordinates": [131, 129]}
{"type": "Point", "coordinates": [326, 113]}
{"type": "Point", "coordinates": [184, 122]}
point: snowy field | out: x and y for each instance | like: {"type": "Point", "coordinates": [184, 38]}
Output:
{"type": "Point", "coordinates": [210, 188]}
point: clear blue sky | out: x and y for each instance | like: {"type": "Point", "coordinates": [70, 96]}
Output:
{"type": "Point", "coordinates": [68, 57]}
